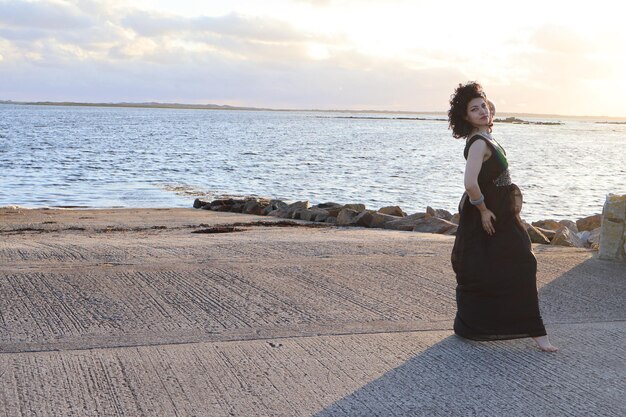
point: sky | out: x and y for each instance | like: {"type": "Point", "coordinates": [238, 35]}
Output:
{"type": "Point", "coordinates": [545, 57]}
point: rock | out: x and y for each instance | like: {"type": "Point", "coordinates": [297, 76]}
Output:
{"type": "Point", "coordinates": [536, 236]}
{"type": "Point", "coordinates": [256, 207]}
{"type": "Point", "coordinates": [274, 205]}
{"type": "Point", "coordinates": [282, 212]}
{"type": "Point", "coordinates": [611, 236]}
{"type": "Point", "coordinates": [198, 203]}
{"type": "Point", "coordinates": [227, 204]}
{"type": "Point", "coordinates": [299, 205]}
{"type": "Point", "coordinates": [547, 232]}
{"type": "Point", "coordinates": [326, 206]}
{"type": "Point", "coordinates": [589, 223]}
{"type": "Point", "coordinates": [584, 237]}
{"type": "Point", "coordinates": [356, 207]}
{"type": "Point", "coordinates": [373, 219]}
{"type": "Point", "coordinates": [570, 225]}
{"type": "Point", "coordinates": [439, 213]}
{"type": "Point", "coordinates": [222, 202]}
{"type": "Point", "coordinates": [392, 211]}
{"type": "Point", "coordinates": [456, 218]}
{"type": "Point", "coordinates": [304, 214]}
{"type": "Point", "coordinates": [321, 216]}
{"type": "Point", "coordinates": [407, 223]}
{"type": "Point", "coordinates": [547, 224]}
{"type": "Point", "coordinates": [346, 217]}
{"type": "Point", "coordinates": [594, 238]}
{"type": "Point", "coordinates": [565, 237]}
{"type": "Point", "coordinates": [312, 214]}
{"type": "Point", "coordinates": [331, 220]}
{"type": "Point", "coordinates": [434, 225]}
{"type": "Point", "coordinates": [237, 208]}
{"type": "Point", "coordinates": [334, 210]}
{"type": "Point", "coordinates": [297, 213]}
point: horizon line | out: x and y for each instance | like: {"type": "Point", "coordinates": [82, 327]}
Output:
{"type": "Point", "coordinates": [153, 104]}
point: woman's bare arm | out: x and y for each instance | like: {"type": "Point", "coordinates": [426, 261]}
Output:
{"type": "Point", "coordinates": [478, 152]}
{"type": "Point", "coordinates": [475, 157]}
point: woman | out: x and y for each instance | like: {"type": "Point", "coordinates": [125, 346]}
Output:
{"type": "Point", "coordinates": [492, 255]}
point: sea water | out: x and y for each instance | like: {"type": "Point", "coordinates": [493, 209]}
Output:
{"type": "Point", "coordinates": [64, 156]}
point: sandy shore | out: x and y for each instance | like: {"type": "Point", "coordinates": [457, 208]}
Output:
{"type": "Point", "coordinates": [144, 312]}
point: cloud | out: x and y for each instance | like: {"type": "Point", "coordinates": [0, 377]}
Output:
{"type": "Point", "coordinates": [233, 25]}
{"type": "Point", "coordinates": [317, 3]}
{"type": "Point", "coordinates": [42, 15]}
{"type": "Point", "coordinates": [560, 39]}
{"type": "Point", "coordinates": [171, 74]}
{"type": "Point", "coordinates": [107, 51]}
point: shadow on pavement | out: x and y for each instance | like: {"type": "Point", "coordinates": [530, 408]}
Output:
{"type": "Point", "coordinates": [457, 377]}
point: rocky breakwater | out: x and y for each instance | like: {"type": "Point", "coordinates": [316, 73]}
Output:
{"type": "Point", "coordinates": [584, 233]}
{"type": "Point", "coordinates": [391, 217]}
{"type": "Point", "coordinates": [613, 235]}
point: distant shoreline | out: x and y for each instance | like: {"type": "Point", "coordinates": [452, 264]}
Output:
{"type": "Point", "coordinates": [155, 105]}
{"type": "Point", "coordinates": [203, 107]}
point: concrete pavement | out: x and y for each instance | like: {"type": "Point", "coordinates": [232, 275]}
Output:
{"type": "Point", "coordinates": [130, 313]}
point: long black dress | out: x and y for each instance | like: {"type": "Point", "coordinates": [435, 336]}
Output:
{"type": "Point", "coordinates": [496, 289]}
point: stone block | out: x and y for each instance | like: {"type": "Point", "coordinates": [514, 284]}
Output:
{"type": "Point", "coordinates": [614, 208]}
{"type": "Point", "coordinates": [611, 244]}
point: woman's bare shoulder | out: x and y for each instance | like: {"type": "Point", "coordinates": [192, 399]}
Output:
{"type": "Point", "coordinates": [478, 147]}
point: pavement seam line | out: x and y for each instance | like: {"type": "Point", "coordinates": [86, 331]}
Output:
{"type": "Point", "coordinates": [277, 337]}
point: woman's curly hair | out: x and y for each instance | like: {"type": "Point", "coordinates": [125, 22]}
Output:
{"type": "Point", "coordinates": [463, 94]}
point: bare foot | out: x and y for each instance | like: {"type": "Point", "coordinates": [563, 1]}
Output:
{"type": "Point", "coordinates": [544, 344]}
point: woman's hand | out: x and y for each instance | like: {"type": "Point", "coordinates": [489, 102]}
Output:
{"type": "Point", "coordinates": [487, 218]}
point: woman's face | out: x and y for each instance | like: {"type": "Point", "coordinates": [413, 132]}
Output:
{"type": "Point", "coordinates": [478, 112]}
